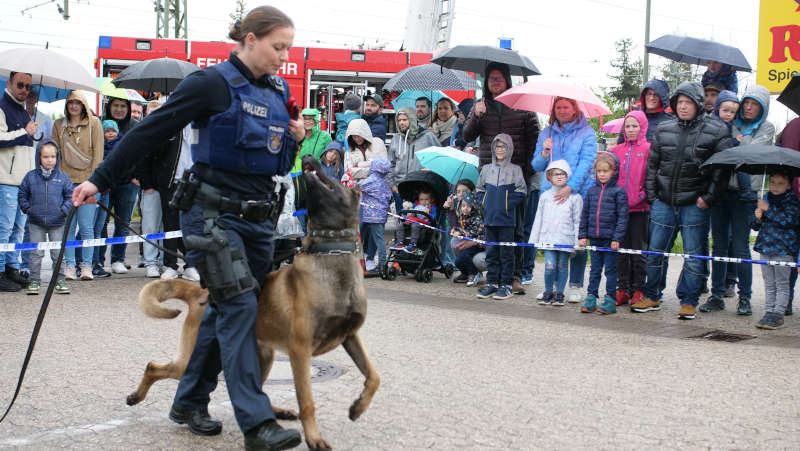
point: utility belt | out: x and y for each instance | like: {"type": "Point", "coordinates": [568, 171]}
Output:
{"type": "Point", "coordinates": [253, 208]}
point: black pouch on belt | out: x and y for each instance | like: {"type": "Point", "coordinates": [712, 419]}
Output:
{"type": "Point", "coordinates": [185, 191]}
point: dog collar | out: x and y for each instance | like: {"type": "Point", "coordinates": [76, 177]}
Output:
{"type": "Point", "coordinates": [332, 248]}
{"type": "Point", "coordinates": [330, 233]}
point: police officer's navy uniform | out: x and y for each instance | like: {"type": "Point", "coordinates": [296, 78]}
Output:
{"type": "Point", "coordinates": [242, 139]}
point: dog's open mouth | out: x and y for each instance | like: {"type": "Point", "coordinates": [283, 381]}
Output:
{"type": "Point", "coordinates": [309, 171]}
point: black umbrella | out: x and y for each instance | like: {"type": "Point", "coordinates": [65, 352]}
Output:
{"type": "Point", "coordinates": [157, 75]}
{"type": "Point", "coordinates": [684, 49]}
{"type": "Point", "coordinates": [431, 77]}
{"type": "Point", "coordinates": [757, 159]}
{"type": "Point", "coordinates": [414, 181]}
{"type": "Point", "coordinates": [791, 94]}
{"type": "Point", "coordinates": [475, 58]}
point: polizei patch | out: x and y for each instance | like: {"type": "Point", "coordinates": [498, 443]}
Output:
{"type": "Point", "coordinates": [254, 109]}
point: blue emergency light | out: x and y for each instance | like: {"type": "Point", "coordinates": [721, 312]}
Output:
{"type": "Point", "coordinates": [105, 42]}
{"type": "Point", "coordinates": [506, 43]}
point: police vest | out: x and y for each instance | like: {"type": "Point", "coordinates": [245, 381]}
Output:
{"type": "Point", "coordinates": [252, 136]}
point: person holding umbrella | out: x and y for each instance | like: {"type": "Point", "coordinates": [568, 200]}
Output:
{"type": "Point", "coordinates": [487, 119]}
{"type": "Point", "coordinates": [229, 163]}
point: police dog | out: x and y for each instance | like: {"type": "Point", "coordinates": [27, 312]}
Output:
{"type": "Point", "coordinates": [306, 309]}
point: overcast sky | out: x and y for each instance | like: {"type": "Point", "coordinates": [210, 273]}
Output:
{"type": "Point", "coordinates": [573, 38]}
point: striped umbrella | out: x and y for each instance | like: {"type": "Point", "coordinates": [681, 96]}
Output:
{"type": "Point", "coordinates": [431, 77]}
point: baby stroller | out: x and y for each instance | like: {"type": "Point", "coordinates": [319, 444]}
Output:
{"type": "Point", "coordinates": [428, 256]}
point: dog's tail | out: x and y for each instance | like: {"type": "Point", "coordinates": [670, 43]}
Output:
{"type": "Point", "coordinates": [154, 293]}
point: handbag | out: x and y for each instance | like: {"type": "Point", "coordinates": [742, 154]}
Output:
{"type": "Point", "coordinates": [71, 152]}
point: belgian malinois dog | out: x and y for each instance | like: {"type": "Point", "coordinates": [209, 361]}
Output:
{"type": "Point", "coordinates": [306, 309]}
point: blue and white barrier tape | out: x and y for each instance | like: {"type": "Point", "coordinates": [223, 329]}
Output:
{"type": "Point", "coordinates": [44, 245]}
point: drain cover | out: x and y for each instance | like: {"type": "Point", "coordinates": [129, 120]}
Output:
{"type": "Point", "coordinates": [281, 373]}
{"type": "Point", "coordinates": [721, 335]}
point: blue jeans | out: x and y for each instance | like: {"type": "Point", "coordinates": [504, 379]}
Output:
{"type": "Point", "coordinates": [372, 233]}
{"type": "Point", "coordinates": [12, 224]}
{"type": "Point", "coordinates": [499, 259]}
{"type": "Point", "coordinates": [448, 255]}
{"type": "Point", "coordinates": [529, 253]}
{"type": "Point", "coordinates": [83, 220]}
{"type": "Point", "coordinates": [730, 232]}
{"type": "Point", "coordinates": [600, 260]}
{"type": "Point", "coordinates": [123, 199]}
{"type": "Point", "coordinates": [464, 261]}
{"type": "Point", "coordinates": [100, 224]}
{"type": "Point", "coordinates": [556, 271]}
{"type": "Point", "coordinates": [665, 222]}
{"type": "Point", "coordinates": [398, 203]}
{"type": "Point", "coordinates": [577, 269]}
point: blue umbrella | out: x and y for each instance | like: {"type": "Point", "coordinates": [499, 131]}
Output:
{"type": "Point", "coordinates": [408, 98]}
{"type": "Point", "coordinates": [450, 163]}
{"type": "Point", "coordinates": [684, 49]}
{"type": "Point", "coordinates": [47, 94]}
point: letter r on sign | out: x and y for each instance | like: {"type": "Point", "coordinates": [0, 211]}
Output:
{"type": "Point", "coordinates": [780, 42]}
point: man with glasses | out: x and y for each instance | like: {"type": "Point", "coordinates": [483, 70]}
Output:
{"type": "Point", "coordinates": [16, 159]}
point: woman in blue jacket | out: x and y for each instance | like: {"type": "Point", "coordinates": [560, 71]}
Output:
{"type": "Point", "coordinates": [568, 137]}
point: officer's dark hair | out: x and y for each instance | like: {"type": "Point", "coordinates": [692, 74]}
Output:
{"type": "Point", "coordinates": [260, 21]}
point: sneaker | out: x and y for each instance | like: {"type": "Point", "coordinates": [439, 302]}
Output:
{"type": "Point", "coordinates": [152, 272]}
{"type": "Point", "coordinates": [546, 299]}
{"type": "Point", "coordinates": [687, 312]}
{"type": "Point", "coordinates": [191, 274]}
{"type": "Point", "coordinates": [622, 297]}
{"type": "Point", "coordinates": [369, 265]}
{"type": "Point", "coordinates": [638, 295]}
{"type": "Point", "coordinates": [33, 287]}
{"type": "Point", "coordinates": [730, 291]}
{"type": "Point", "coordinates": [86, 272]}
{"type": "Point", "coordinates": [8, 286]}
{"type": "Point", "coordinates": [487, 291]}
{"type": "Point", "coordinates": [98, 272]}
{"type": "Point", "coordinates": [516, 286]}
{"type": "Point", "coordinates": [574, 295]}
{"type": "Point", "coordinates": [397, 247]}
{"type": "Point", "coordinates": [713, 304]}
{"type": "Point", "coordinates": [589, 304]}
{"type": "Point", "coordinates": [558, 300]}
{"type": "Point", "coordinates": [16, 276]}
{"type": "Point", "coordinates": [169, 273]}
{"type": "Point", "coordinates": [119, 268]}
{"type": "Point", "coordinates": [609, 305]}
{"type": "Point", "coordinates": [541, 295]}
{"type": "Point", "coordinates": [61, 287]}
{"type": "Point", "coordinates": [744, 308]}
{"type": "Point", "coordinates": [475, 280]}
{"type": "Point", "coordinates": [646, 305]}
{"type": "Point", "coordinates": [527, 280]}
{"type": "Point", "coordinates": [770, 321]}
{"type": "Point", "coordinates": [69, 273]}
{"type": "Point", "coordinates": [504, 292]}
{"type": "Point", "coordinates": [410, 249]}
{"type": "Point", "coordinates": [462, 278]}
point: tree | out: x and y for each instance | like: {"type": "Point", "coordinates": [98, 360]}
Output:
{"type": "Point", "coordinates": [240, 12]}
{"type": "Point", "coordinates": [675, 73]}
{"type": "Point", "coordinates": [627, 74]}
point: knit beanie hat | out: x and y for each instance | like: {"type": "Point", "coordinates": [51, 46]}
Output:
{"type": "Point", "coordinates": [108, 123]}
{"type": "Point", "coordinates": [352, 101]}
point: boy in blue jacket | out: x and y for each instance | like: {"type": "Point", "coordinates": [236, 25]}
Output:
{"type": "Point", "coordinates": [604, 219]}
{"type": "Point", "coordinates": [45, 195]}
{"type": "Point", "coordinates": [501, 188]}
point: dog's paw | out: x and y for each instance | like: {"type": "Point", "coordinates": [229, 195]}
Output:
{"type": "Point", "coordinates": [318, 444]}
{"type": "Point", "coordinates": [285, 414]}
{"type": "Point", "coordinates": [356, 409]}
{"type": "Point", "coordinates": [132, 399]}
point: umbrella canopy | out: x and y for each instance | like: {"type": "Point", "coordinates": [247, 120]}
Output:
{"type": "Point", "coordinates": [757, 159]}
{"type": "Point", "coordinates": [697, 51]}
{"type": "Point", "coordinates": [791, 95]}
{"type": "Point", "coordinates": [108, 89]}
{"type": "Point", "coordinates": [452, 164]}
{"type": "Point", "coordinates": [156, 75]}
{"type": "Point", "coordinates": [47, 94]}
{"type": "Point", "coordinates": [613, 126]}
{"type": "Point", "coordinates": [409, 98]}
{"type": "Point", "coordinates": [538, 96]}
{"type": "Point", "coordinates": [431, 77]}
{"type": "Point", "coordinates": [475, 58]}
{"type": "Point", "coordinates": [47, 68]}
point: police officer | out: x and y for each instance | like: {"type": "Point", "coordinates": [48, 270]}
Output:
{"type": "Point", "coordinates": [243, 135]}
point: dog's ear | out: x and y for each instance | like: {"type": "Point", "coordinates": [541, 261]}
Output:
{"type": "Point", "coordinates": [355, 195]}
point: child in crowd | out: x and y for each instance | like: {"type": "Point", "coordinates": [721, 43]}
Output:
{"type": "Point", "coordinates": [352, 110]}
{"type": "Point", "coordinates": [469, 224]}
{"type": "Point", "coordinates": [425, 203]}
{"type": "Point", "coordinates": [604, 219]}
{"type": "Point", "coordinates": [632, 155]}
{"type": "Point", "coordinates": [556, 223]}
{"type": "Point", "coordinates": [501, 188]}
{"type": "Point", "coordinates": [778, 221]}
{"type": "Point", "coordinates": [331, 160]}
{"type": "Point", "coordinates": [375, 196]}
{"type": "Point", "coordinates": [451, 205]}
{"type": "Point", "coordinates": [111, 136]}
{"type": "Point", "coordinates": [45, 195]}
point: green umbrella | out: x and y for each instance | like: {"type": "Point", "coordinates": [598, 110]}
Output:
{"type": "Point", "coordinates": [109, 90]}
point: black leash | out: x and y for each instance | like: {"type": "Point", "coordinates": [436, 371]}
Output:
{"type": "Point", "coordinates": [49, 293]}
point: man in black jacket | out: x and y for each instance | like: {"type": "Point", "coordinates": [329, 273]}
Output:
{"type": "Point", "coordinates": [681, 192]}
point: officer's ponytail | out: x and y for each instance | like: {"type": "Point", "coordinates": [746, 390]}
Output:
{"type": "Point", "coordinates": [260, 21]}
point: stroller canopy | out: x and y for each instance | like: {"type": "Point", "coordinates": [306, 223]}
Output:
{"type": "Point", "coordinates": [417, 180]}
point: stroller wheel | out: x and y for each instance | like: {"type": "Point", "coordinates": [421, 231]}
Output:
{"type": "Point", "coordinates": [391, 274]}
{"type": "Point", "coordinates": [427, 276]}
{"type": "Point", "coordinates": [448, 270]}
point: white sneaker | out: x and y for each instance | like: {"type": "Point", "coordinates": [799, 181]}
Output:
{"type": "Point", "coordinates": [540, 296]}
{"type": "Point", "coordinates": [86, 272]}
{"type": "Point", "coordinates": [69, 273]}
{"type": "Point", "coordinates": [118, 268]}
{"type": "Point", "coordinates": [169, 273]}
{"type": "Point", "coordinates": [152, 272]}
{"type": "Point", "coordinates": [191, 274]}
{"type": "Point", "coordinates": [574, 296]}
{"type": "Point", "coordinates": [370, 265]}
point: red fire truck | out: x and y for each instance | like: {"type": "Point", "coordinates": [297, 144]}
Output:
{"type": "Point", "coordinates": [317, 77]}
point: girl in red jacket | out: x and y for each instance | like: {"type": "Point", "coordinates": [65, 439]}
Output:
{"type": "Point", "coordinates": [632, 154]}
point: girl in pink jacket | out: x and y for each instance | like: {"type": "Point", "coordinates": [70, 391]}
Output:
{"type": "Point", "coordinates": [632, 155]}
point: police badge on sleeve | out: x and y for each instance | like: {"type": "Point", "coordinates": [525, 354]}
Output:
{"type": "Point", "coordinates": [275, 141]}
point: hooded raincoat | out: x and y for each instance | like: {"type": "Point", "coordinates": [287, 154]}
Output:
{"type": "Point", "coordinates": [315, 143]}
{"type": "Point", "coordinates": [660, 115]}
{"type": "Point", "coordinates": [756, 131]}
{"type": "Point", "coordinates": [88, 135]}
{"type": "Point", "coordinates": [46, 198]}
{"type": "Point", "coordinates": [358, 160]}
{"type": "Point", "coordinates": [574, 142]}
{"type": "Point", "coordinates": [605, 207]}
{"type": "Point", "coordinates": [375, 193]}
{"type": "Point", "coordinates": [557, 223]}
{"type": "Point", "coordinates": [404, 145]}
{"type": "Point", "coordinates": [334, 171]}
{"type": "Point", "coordinates": [501, 187]}
{"type": "Point", "coordinates": [632, 156]}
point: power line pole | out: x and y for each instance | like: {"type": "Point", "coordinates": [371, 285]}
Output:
{"type": "Point", "coordinates": [171, 10]}
{"type": "Point", "coordinates": [646, 40]}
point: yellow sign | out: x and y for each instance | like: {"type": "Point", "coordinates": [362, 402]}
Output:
{"type": "Point", "coordinates": [778, 43]}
